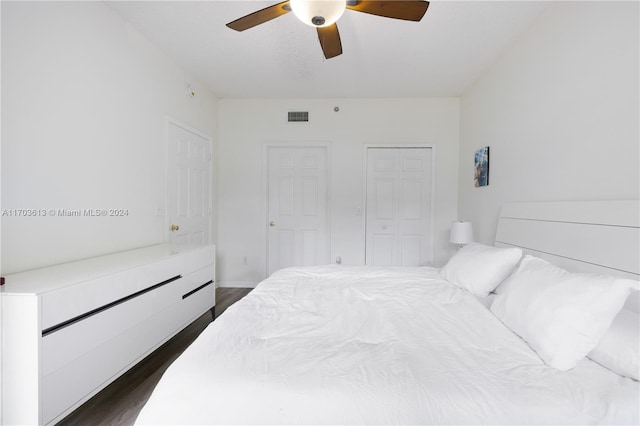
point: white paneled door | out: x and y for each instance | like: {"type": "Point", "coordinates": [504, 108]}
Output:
{"type": "Point", "coordinates": [188, 174]}
{"type": "Point", "coordinates": [399, 207]}
{"type": "Point", "coordinates": [297, 199]}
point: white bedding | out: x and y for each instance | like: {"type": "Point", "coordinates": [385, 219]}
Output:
{"type": "Point", "coordinates": [364, 345]}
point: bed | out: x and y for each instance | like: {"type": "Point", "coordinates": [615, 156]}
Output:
{"type": "Point", "coordinates": [500, 335]}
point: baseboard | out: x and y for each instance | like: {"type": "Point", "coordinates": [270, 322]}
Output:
{"type": "Point", "coordinates": [237, 284]}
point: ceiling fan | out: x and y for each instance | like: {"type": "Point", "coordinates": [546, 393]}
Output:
{"type": "Point", "coordinates": [323, 15]}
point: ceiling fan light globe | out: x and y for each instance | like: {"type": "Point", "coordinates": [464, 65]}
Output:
{"type": "Point", "coordinates": [318, 13]}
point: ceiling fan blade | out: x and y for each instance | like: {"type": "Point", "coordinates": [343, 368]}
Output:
{"type": "Point", "coordinates": [260, 17]}
{"type": "Point", "coordinates": [408, 10]}
{"type": "Point", "coordinates": [330, 41]}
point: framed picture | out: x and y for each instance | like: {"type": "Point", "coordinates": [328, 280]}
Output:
{"type": "Point", "coordinates": [481, 165]}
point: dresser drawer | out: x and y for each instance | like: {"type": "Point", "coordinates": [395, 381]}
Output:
{"type": "Point", "coordinates": [68, 343]}
{"type": "Point", "coordinates": [199, 258]}
{"type": "Point", "coordinates": [72, 301]}
{"type": "Point", "coordinates": [74, 382]}
{"type": "Point", "coordinates": [193, 307]}
{"type": "Point", "coordinates": [191, 282]}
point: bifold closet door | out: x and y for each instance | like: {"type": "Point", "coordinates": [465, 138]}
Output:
{"type": "Point", "coordinates": [398, 216]}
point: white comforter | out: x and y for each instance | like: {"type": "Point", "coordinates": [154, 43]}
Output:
{"type": "Point", "coordinates": [362, 345]}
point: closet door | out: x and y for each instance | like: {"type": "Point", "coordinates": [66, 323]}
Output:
{"type": "Point", "coordinates": [297, 203]}
{"type": "Point", "coordinates": [399, 206]}
{"type": "Point", "coordinates": [188, 175]}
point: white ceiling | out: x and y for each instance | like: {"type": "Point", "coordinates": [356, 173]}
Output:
{"type": "Point", "coordinates": [439, 56]}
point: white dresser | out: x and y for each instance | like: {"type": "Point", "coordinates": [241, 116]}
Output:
{"type": "Point", "coordinates": [69, 330]}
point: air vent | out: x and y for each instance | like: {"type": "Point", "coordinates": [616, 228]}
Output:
{"type": "Point", "coordinates": [298, 117]}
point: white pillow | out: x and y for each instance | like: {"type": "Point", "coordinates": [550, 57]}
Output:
{"type": "Point", "coordinates": [619, 348]}
{"type": "Point", "coordinates": [561, 315]}
{"type": "Point", "coordinates": [479, 268]}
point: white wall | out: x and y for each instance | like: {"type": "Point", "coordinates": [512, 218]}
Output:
{"type": "Point", "coordinates": [247, 125]}
{"type": "Point", "coordinates": [559, 111]}
{"type": "Point", "coordinates": [84, 105]}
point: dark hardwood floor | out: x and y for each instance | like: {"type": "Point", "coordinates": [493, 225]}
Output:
{"type": "Point", "coordinates": [121, 401]}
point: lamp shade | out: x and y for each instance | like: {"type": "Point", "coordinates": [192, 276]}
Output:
{"type": "Point", "coordinates": [318, 13]}
{"type": "Point", "coordinates": [461, 232]}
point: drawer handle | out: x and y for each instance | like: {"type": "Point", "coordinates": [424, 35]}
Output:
{"type": "Point", "coordinates": [195, 290]}
{"type": "Point", "coordinates": [95, 311]}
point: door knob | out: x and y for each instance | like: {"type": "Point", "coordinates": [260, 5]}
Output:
{"type": "Point", "coordinates": [174, 228]}
{"type": "Point", "coordinates": [272, 223]}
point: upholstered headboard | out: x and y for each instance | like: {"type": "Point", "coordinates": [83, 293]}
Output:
{"type": "Point", "coordinates": [580, 236]}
